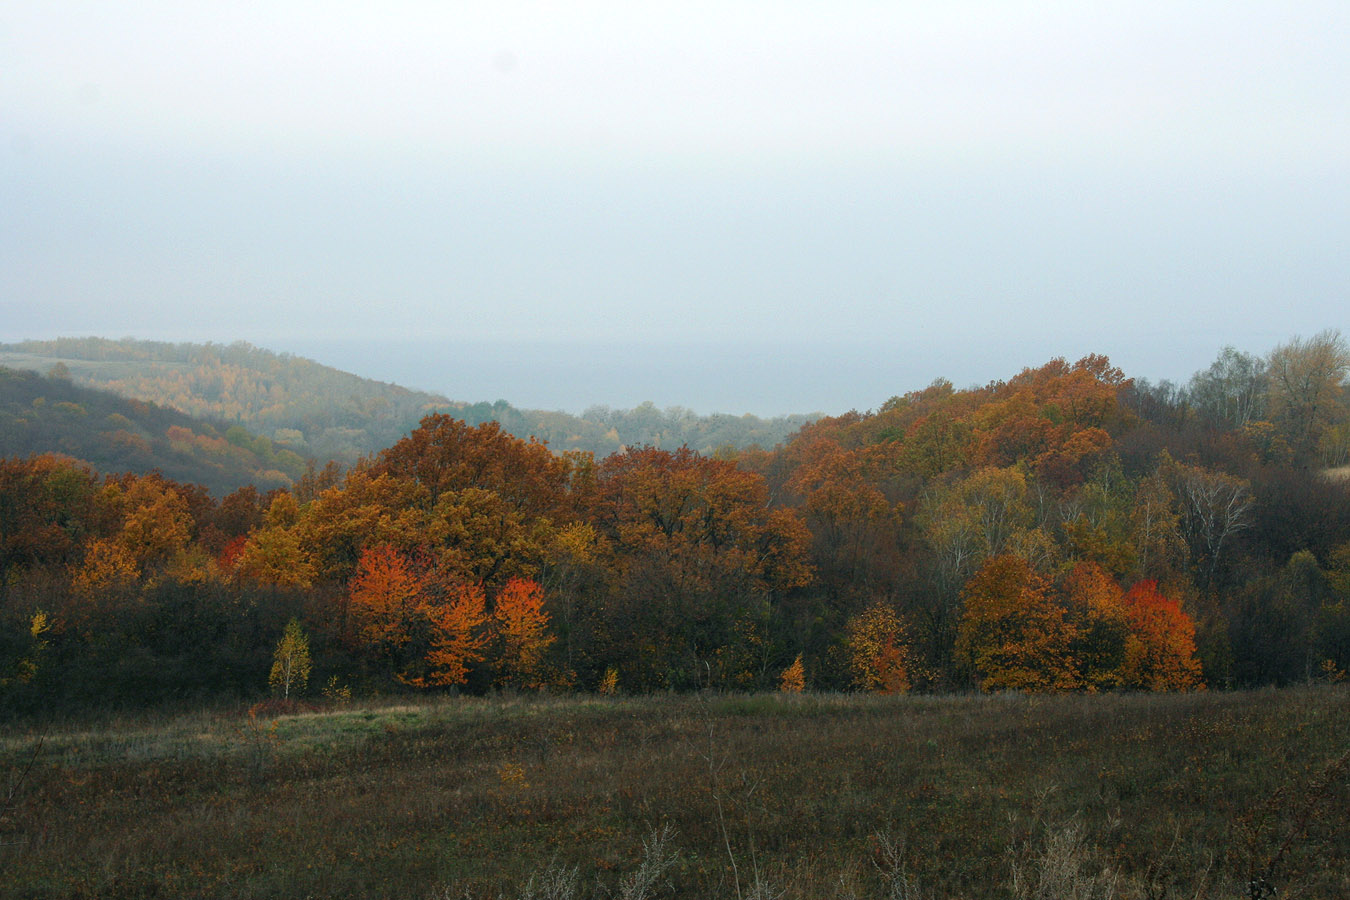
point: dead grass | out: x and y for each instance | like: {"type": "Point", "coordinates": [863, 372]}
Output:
{"type": "Point", "coordinates": [797, 796]}
{"type": "Point", "coordinates": [1340, 473]}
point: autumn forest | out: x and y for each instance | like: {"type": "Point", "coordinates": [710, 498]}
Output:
{"type": "Point", "coordinates": [1068, 529]}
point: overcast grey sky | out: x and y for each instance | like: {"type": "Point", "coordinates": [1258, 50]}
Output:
{"type": "Point", "coordinates": [885, 192]}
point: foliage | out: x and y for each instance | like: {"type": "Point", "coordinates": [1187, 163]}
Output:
{"type": "Point", "coordinates": [879, 653]}
{"type": "Point", "coordinates": [999, 524]}
{"type": "Point", "coordinates": [1013, 636]}
{"type": "Point", "coordinates": [521, 629]}
{"type": "Point", "coordinates": [40, 414]}
{"type": "Point", "coordinates": [290, 662]}
{"type": "Point", "coordinates": [793, 678]}
{"type": "Point", "coordinates": [294, 407]}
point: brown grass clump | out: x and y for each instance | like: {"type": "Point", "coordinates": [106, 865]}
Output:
{"type": "Point", "coordinates": [1109, 797]}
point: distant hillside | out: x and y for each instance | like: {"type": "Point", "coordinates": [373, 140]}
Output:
{"type": "Point", "coordinates": [309, 408]}
{"type": "Point", "coordinates": [324, 413]}
{"type": "Point", "coordinates": [41, 414]}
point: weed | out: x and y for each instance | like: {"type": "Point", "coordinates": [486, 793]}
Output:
{"type": "Point", "coordinates": [260, 742]}
{"type": "Point", "coordinates": [554, 883]}
{"type": "Point", "coordinates": [1060, 868]}
{"type": "Point", "coordinates": [770, 795]}
{"type": "Point", "coordinates": [889, 860]}
{"type": "Point", "coordinates": [1274, 829]}
{"type": "Point", "coordinates": [717, 758]}
{"type": "Point", "coordinates": [337, 693]}
{"type": "Point", "coordinates": [658, 856]}
{"type": "Point", "coordinates": [512, 777]}
{"type": "Point", "coordinates": [14, 783]}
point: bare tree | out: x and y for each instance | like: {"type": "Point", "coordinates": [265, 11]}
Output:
{"type": "Point", "coordinates": [1307, 386]}
{"type": "Point", "coordinates": [1216, 507]}
{"type": "Point", "coordinates": [1232, 391]}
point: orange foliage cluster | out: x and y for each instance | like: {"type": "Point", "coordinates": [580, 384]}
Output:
{"type": "Point", "coordinates": [1019, 633]}
{"type": "Point", "coordinates": [953, 538]}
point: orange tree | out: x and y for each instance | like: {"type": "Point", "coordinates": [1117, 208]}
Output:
{"type": "Point", "coordinates": [1013, 635]}
{"type": "Point", "coordinates": [445, 454]}
{"type": "Point", "coordinates": [1160, 648]}
{"type": "Point", "coordinates": [522, 636]}
{"type": "Point", "coordinates": [1096, 609]}
{"type": "Point", "coordinates": [1058, 418]}
{"type": "Point", "coordinates": [426, 631]}
{"type": "Point", "coordinates": [698, 560]}
{"type": "Point", "coordinates": [457, 636]}
{"type": "Point", "coordinates": [853, 523]}
{"type": "Point", "coordinates": [48, 507]}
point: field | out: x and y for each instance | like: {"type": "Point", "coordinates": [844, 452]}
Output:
{"type": "Point", "coordinates": [711, 796]}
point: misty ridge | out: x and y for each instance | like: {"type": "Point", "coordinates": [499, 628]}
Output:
{"type": "Point", "coordinates": [321, 413]}
{"type": "Point", "coordinates": [283, 408]}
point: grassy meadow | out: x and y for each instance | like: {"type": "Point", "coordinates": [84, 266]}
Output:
{"type": "Point", "coordinates": [707, 796]}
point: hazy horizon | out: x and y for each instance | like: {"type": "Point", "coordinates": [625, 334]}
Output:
{"type": "Point", "coordinates": [761, 378]}
{"type": "Point", "coordinates": [764, 379]}
{"type": "Point", "coordinates": [885, 193]}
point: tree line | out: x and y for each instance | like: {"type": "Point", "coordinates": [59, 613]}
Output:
{"type": "Point", "coordinates": [317, 411]}
{"type": "Point", "coordinates": [1066, 529]}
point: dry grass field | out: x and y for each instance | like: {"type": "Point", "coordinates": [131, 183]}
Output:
{"type": "Point", "coordinates": [720, 796]}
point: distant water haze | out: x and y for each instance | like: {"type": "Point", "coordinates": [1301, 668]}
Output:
{"type": "Point", "coordinates": [765, 379]}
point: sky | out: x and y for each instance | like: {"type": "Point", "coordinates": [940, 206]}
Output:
{"type": "Point", "coordinates": [768, 207]}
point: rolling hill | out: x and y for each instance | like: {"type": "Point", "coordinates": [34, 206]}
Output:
{"type": "Point", "coordinates": [323, 413]}
{"type": "Point", "coordinates": [51, 414]}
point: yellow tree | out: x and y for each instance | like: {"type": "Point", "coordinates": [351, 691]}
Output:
{"type": "Point", "coordinates": [878, 651]}
{"type": "Point", "coordinates": [156, 524]}
{"type": "Point", "coordinates": [108, 566]}
{"type": "Point", "coordinates": [1307, 386]}
{"type": "Point", "coordinates": [290, 661]}
{"type": "Point", "coordinates": [275, 555]}
{"type": "Point", "coordinates": [793, 678]}
{"type": "Point", "coordinates": [25, 668]}
{"type": "Point", "coordinates": [1155, 529]}
{"type": "Point", "coordinates": [364, 512]}
{"type": "Point", "coordinates": [976, 518]}
{"type": "Point", "coordinates": [480, 537]}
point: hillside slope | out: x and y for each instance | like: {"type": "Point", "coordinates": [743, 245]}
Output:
{"type": "Point", "coordinates": [324, 413]}
{"type": "Point", "coordinates": [42, 414]}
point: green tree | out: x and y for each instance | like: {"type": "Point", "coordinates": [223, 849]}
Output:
{"type": "Point", "coordinates": [1232, 391]}
{"type": "Point", "coordinates": [1307, 386]}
